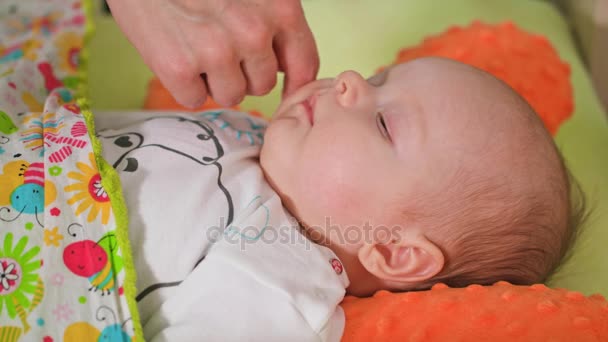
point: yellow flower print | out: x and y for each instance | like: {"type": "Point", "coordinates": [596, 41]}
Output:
{"type": "Point", "coordinates": [90, 194]}
{"type": "Point", "coordinates": [52, 237]}
{"type": "Point", "coordinates": [69, 45]}
{"type": "Point", "coordinates": [30, 48]}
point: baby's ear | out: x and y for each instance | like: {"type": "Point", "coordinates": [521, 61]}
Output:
{"type": "Point", "coordinates": [411, 258]}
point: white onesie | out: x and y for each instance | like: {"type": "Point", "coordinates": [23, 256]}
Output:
{"type": "Point", "coordinates": [217, 256]}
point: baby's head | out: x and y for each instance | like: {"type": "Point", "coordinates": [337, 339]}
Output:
{"type": "Point", "coordinates": [431, 171]}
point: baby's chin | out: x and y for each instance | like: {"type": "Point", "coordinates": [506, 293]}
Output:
{"type": "Point", "coordinates": [269, 166]}
{"type": "Point", "coordinates": [265, 155]}
{"type": "Point", "coordinates": [275, 153]}
{"type": "Point", "coordinates": [270, 151]}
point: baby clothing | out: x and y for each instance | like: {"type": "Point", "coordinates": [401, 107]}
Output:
{"type": "Point", "coordinates": [217, 256]}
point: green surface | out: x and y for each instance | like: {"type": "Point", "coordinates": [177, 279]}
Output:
{"type": "Point", "coordinates": [363, 35]}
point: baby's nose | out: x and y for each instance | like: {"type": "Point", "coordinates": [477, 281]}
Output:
{"type": "Point", "coordinates": [350, 88]}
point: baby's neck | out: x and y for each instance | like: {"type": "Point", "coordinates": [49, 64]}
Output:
{"type": "Point", "coordinates": [362, 283]}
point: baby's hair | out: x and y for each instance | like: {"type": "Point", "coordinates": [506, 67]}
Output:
{"type": "Point", "coordinates": [499, 228]}
{"type": "Point", "coordinates": [578, 216]}
{"type": "Point", "coordinates": [509, 238]}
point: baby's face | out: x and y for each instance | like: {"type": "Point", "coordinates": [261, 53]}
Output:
{"type": "Point", "coordinates": [347, 155]}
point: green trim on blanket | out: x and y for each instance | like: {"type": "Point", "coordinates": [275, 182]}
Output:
{"type": "Point", "coordinates": [109, 177]}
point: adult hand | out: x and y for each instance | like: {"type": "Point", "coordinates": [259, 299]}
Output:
{"type": "Point", "coordinates": [222, 48]}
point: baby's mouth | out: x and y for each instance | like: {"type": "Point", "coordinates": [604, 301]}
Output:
{"type": "Point", "coordinates": [309, 105]}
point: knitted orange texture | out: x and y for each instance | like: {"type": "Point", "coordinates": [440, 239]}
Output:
{"type": "Point", "coordinates": [526, 62]}
{"type": "Point", "coordinates": [501, 312]}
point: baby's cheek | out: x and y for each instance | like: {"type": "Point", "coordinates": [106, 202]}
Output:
{"type": "Point", "coordinates": [336, 191]}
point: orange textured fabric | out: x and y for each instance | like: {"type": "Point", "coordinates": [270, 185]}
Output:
{"type": "Point", "coordinates": [159, 98]}
{"type": "Point", "coordinates": [526, 62]}
{"type": "Point", "coordinates": [502, 312]}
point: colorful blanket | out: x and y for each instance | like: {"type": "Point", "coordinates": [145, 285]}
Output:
{"type": "Point", "coordinates": [63, 267]}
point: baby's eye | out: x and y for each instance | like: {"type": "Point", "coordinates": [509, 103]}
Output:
{"type": "Point", "coordinates": [382, 126]}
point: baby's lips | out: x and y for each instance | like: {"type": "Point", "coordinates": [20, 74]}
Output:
{"type": "Point", "coordinates": [309, 104]}
{"type": "Point", "coordinates": [313, 101]}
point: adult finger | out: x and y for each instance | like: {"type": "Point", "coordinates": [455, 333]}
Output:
{"type": "Point", "coordinates": [260, 73]}
{"type": "Point", "coordinates": [297, 54]}
{"type": "Point", "coordinates": [182, 81]}
{"type": "Point", "coordinates": [253, 35]}
{"type": "Point", "coordinates": [225, 80]}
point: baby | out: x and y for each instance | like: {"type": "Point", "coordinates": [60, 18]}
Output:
{"type": "Point", "coordinates": [431, 171]}
{"type": "Point", "coordinates": [452, 160]}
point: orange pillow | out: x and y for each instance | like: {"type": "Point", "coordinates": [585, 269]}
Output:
{"type": "Point", "coordinates": [501, 312]}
